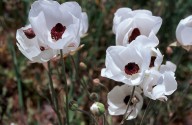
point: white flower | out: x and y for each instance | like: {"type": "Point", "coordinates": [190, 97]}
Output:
{"type": "Point", "coordinates": [128, 24]}
{"type": "Point", "coordinates": [184, 31]}
{"type": "Point", "coordinates": [34, 49]}
{"type": "Point", "coordinates": [60, 26]}
{"type": "Point", "coordinates": [118, 99]}
{"type": "Point", "coordinates": [126, 64]}
{"type": "Point", "coordinates": [160, 83]}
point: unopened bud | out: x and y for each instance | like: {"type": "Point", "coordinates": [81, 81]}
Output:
{"type": "Point", "coordinates": [94, 96]}
{"type": "Point", "coordinates": [169, 50]}
{"type": "Point", "coordinates": [73, 105]}
{"type": "Point", "coordinates": [83, 65]}
{"type": "Point", "coordinates": [97, 109]}
{"type": "Point", "coordinates": [96, 81]}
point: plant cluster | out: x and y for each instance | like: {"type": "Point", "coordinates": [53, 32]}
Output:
{"type": "Point", "coordinates": [54, 32]}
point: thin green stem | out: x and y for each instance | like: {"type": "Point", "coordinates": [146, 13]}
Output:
{"type": "Point", "coordinates": [145, 112]}
{"type": "Point", "coordinates": [105, 122]}
{"type": "Point", "coordinates": [183, 94]}
{"type": "Point", "coordinates": [53, 94]}
{"type": "Point", "coordinates": [104, 119]}
{"type": "Point", "coordinates": [66, 88]}
{"type": "Point", "coordinates": [125, 114]}
{"type": "Point", "coordinates": [18, 76]}
{"type": "Point", "coordinates": [77, 76]}
{"type": "Point", "coordinates": [1, 8]}
{"type": "Point", "coordinates": [104, 87]}
{"type": "Point", "coordinates": [88, 114]}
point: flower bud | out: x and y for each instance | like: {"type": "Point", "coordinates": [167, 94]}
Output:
{"type": "Point", "coordinates": [169, 50]}
{"type": "Point", "coordinates": [97, 109]}
{"type": "Point", "coordinates": [73, 105]}
{"type": "Point", "coordinates": [83, 65]}
{"type": "Point", "coordinates": [96, 81]}
{"type": "Point", "coordinates": [94, 96]}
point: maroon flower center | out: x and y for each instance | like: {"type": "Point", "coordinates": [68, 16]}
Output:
{"type": "Point", "coordinates": [29, 33]}
{"type": "Point", "coordinates": [57, 31]}
{"type": "Point", "coordinates": [131, 68]}
{"type": "Point", "coordinates": [42, 48]}
{"type": "Point", "coordinates": [152, 61]}
{"type": "Point", "coordinates": [126, 99]}
{"type": "Point", "coordinates": [134, 34]}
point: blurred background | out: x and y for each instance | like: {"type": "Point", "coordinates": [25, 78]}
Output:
{"type": "Point", "coordinates": [36, 110]}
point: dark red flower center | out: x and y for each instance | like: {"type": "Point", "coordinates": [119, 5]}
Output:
{"type": "Point", "coordinates": [152, 61]}
{"type": "Point", "coordinates": [42, 48]}
{"type": "Point", "coordinates": [29, 33]}
{"type": "Point", "coordinates": [134, 34]}
{"type": "Point", "coordinates": [57, 31]}
{"type": "Point", "coordinates": [126, 99]}
{"type": "Point", "coordinates": [131, 68]}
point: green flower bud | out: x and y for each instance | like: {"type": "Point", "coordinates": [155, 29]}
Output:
{"type": "Point", "coordinates": [97, 109]}
{"type": "Point", "coordinates": [94, 96]}
{"type": "Point", "coordinates": [73, 105]}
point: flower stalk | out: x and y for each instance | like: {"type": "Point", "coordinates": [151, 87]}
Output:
{"type": "Point", "coordinates": [53, 94]}
{"type": "Point", "coordinates": [66, 88]}
{"type": "Point", "coordinates": [18, 76]}
{"type": "Point", "coordinates": [125, 116]}
{"type": "Point", "coordinates": [145, 112]}
{"type": "Point", "coordinates": [83, 84]}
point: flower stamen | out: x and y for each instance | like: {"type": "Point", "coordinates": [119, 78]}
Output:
{"type": "Point", "coordinates": [57, 31]}
{"type": "Point", "coordinates": [127, 98]}
{"type": "Point", "coordinates": [29, 33]}
{"type": "Point", "coordinates": [42, 48]}
{"type": "Point", "coordinates": [131, 68]}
